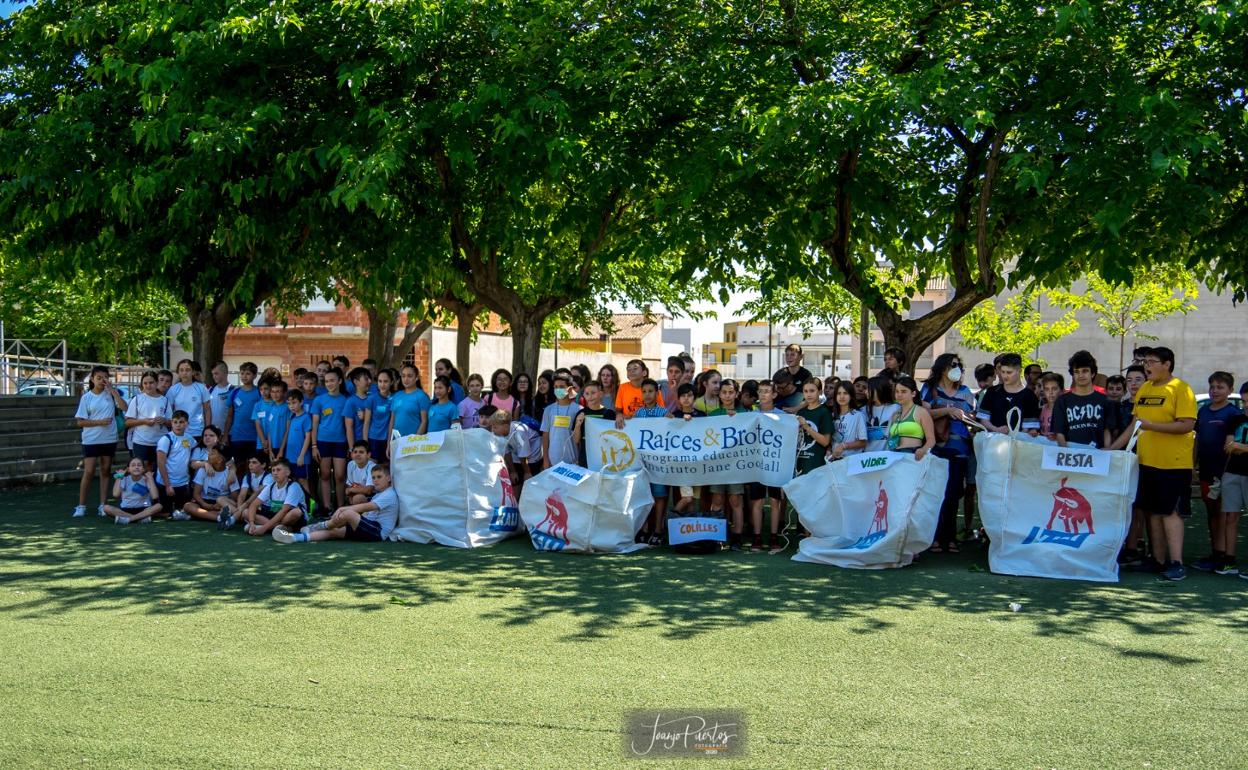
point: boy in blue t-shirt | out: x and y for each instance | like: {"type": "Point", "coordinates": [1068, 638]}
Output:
{"type": "Point", "coordinates": [296, 446]}
{"type": "Point", "coordinates": [241, 429]}
{"type": "Point", "coordinates": [1211, 431]}
{"type": "Point", "coordinates": [359, 405]}
{"type": "Point", "coordinates": [259, 418]}
{"type": "Point", "coordinates": [277, 419]}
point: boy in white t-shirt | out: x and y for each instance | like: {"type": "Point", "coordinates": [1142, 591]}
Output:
{"type": "Point", "coordinates": [250, 486]}
{"type": "Point", "coordinates": [213, 492]}
{"type": "Point", "coordinates": [371, 521]}
{"type": "Point", "coordinates": [280, 503]}
{"type": "Point", "coordinates": [360, 474]}
{"type": "Point", "coordinates": [173, 467]}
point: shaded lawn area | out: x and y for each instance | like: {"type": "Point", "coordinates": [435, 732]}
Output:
{"type": "Point", "coordinates": [175, 645]}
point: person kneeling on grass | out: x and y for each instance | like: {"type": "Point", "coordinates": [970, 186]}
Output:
{"type": "Point", "coordinates": [281, 503]}
{"type": "Point", "coordinates": [135, 490]}
{"type": "Point", "coordinates": [212, 497]}
{"type": "Point", "coordinates": [370, 521]}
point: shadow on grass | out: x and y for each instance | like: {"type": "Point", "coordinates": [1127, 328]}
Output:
{"type": "Point", "coordinates": [179, 567]}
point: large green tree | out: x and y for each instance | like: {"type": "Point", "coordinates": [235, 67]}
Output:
{"type": "Point", "coordinates": [191, 145]}
{"type": "Point", "coordinates": [1016, 327]}
{"type": "Point", "coordinates": [546, 136]}
{"type": "Point", "coordinates": [982, 142]}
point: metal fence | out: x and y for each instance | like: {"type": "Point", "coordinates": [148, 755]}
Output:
{"type": "Point", "coordinates": [42, 367]}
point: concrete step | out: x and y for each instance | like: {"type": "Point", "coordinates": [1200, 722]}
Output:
{"type": "Point", "coordinates": [24, 467]}
{"type": "Point", "coordinates": [28, 409]}
{"type": "Point", "coordinates": [64, 436]}
{"type": "Point", "coordinates": [40, 477]}
{"type": "Point", "coordinates": [30, 450]}
{"type": "Point", "coordinates": [28, 427]}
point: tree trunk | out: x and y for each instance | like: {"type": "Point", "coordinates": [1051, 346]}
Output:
{"type": "Point", "coordinates": [209, 325]}
{"type": "Point", "coordinates": [913, 337]}
{"type": "Point", "coordinates": [836, 333]}
{"type": "Point", "coordinates": [465, 324]}
{"type": "Point", "coordinates": [1122, 350]}
{"type": "Point", "coordinates": [382, 324]}
{"type": "Point", "coordinates": [526, 342]}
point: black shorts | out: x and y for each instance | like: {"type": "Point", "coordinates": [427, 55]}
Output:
{"type": "Point", "coordinates": [1162, 491]}
{"type": "Point", "coordinates": [756, 491]}
{"type": "Point", "coordinates": [368, 531]}
{"type": "Point", "coordinates": [144, 452]}
{"type": "Point", "coordinates": [377, 449]}
{"type": "Point", "coordinates": [181, 496]}
{"type": "Point", "coordinates": [99, 450]}
{"type": "Point", "coordinates": [335, 449]}
{"type": "Point", "coordinates": [132, 510]}
{"type": "Point", "coordinates": [241, 453]}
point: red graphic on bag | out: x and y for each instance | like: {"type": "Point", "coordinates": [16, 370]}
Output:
{"type": "Point", "coordinates": [1072, 508]}
{"type": "Point", "coordinates": [509, 492]}
{"type": "Point", "coordinates": [557, 515]}
{"type": "Point", "coordinates": [880, 522]}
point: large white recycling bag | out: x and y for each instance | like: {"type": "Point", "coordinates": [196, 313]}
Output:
{"type": "Point", "coordinates": [453, 488]}
{"type": "Point", "coordinates": [869, 511]}
{"type": "Point", "coordinates": [1051, 511]}
{"type": "Point", "coordinates": [573, 509]}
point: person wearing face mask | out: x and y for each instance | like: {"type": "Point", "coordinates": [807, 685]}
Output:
{"type": "Point", "coordinates": [952, 405]}
{"type": "Point", "coordinates": [557, 442]}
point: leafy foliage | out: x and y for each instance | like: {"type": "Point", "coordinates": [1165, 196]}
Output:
{"type": "Point", "coordinates": [1014, 328]}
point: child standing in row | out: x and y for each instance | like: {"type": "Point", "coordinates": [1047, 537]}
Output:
{"type": "Point", "coordinates": [735, 492]}
{"type": "Point", "coordinates": [443, 413]}
{"type": "Point", "coordinates": [760, 494]}
{"type": "Point", "coordinates": [96, 415]}
{"type": "Point", "coordinates": [379, 424]}
{"type": "Point", "coordinates": [472, 403]}
{"type": "Point", "coordinates": [296, 447]}
{"type": "Point", "coordinates": [191, 397]}
{"type": "Point", "coordinates": [330, 436]}
{"type": "Point", "coordinates": [849, 427]}
{"type": "Point", "coordinates": [656, 527]}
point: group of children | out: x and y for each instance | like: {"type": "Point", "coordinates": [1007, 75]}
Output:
{"type": "Point", "coordinates": [334, 424]}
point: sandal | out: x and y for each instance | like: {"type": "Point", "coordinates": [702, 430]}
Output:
{"type": "Point", "coordinates": [936, 548]}
{"type": "Point", "coordinates": [952, 548]}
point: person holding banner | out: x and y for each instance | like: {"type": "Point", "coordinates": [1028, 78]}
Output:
{"type": "Point", "coordinates": [912, 431]}
{"type": "Point", "coordinates": [1166, 410]}
{"type": "Point", "coordinates": [708, 391]}
{"type": "Point", "coordinates": [736, 492]}
{"type": "Point", "coordinates": [817, 425]}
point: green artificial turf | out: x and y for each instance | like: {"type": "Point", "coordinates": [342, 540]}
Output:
{"type": "Point", "coordinates": [173, 645]}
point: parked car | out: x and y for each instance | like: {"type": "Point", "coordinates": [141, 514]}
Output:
{"type": "Point", "coordinates": [1203, 399]}
{"type": "Point", "coordinates": [44, 389]}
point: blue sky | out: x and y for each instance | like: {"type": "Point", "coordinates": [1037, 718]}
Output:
{"type": "Point", "coordinates": [7, 7]}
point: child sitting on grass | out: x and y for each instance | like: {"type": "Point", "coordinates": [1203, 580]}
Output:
{"type": "Point", "coordinates": [280, 503]}
{"type": "Point", "coordinates": [371, 521]}
{"type": "Point", "coordinates": [360, 474]}
{"type": "Point", "coordinates": [212, 488]}
{"type": "Point", "coordinates": [136, 492]}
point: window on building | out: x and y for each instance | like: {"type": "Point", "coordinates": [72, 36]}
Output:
{"type": "Point", "coordinates": [877, 355]}
{"type": "Point", "coordinates": [749, 359]}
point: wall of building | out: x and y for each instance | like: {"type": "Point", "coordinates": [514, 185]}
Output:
{"type": "Point", "coordinates": [1212, 337]}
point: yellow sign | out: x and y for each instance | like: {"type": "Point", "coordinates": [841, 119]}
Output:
{"type": "Point", "coordinates": [617, 450]}
{"type": "Point", "coordinates": [562, 421]}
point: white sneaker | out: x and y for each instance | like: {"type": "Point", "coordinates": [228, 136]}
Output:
{"type": "Point", "coordinates": [79, 511]}
{"type": "Point", "coordinates": [122, 520]}
{"type": "Point", "coordinates": [180, 516]}
{"type": "Point", "coordinates": [282, 535]}
{"type": "Point", "coordinates": [147, 520]}
{"type": "Point", "coordinates": [100, 511]}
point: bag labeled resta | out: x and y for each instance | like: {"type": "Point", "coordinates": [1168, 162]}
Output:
{"type": "Point", "coordinates": [869, 511]}
{"type": "Point", "coordinates": [453, 489]}
{"type": "Point", "coordinates": [576, 510]}
{"type": "Point", "coordinates": [1050, 511]}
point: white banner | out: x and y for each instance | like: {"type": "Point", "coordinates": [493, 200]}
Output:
{"type": "Point", "coordinates": [875, 518]}
{"type": "Point", "coordinates": [1076, 459]}
{"type": "Point", "coordinates": [1047, 510]}
{"type": "Point", "coordinates": [691, 528]}
{"type": "Point", "coordinates": [751, 446]}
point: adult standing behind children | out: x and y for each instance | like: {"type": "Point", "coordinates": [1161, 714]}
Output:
{"type": "Point", "coordinates": [793, 356]}
{"type": "Point", "coordinates": [97, 416]}
{"type": "Point", "coordinates": [1165, 408]}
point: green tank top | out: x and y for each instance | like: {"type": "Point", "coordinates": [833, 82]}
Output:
{"type": "Point", "coordinates": [906, 427]}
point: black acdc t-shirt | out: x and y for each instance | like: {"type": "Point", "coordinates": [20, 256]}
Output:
{"type": "Point", "coordinates": [1082, 419]}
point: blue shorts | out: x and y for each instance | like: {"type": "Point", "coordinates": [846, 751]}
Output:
{"type": "Point", "coordinates": [99, 450]}
{"type": "Point", "coordinates": [144, 452]}
{"type": "Point", "coordinates": [377, 449]}
{"type": "Point", "coordinates": [299, 471]}
{"type": "Point", "coordinates": [368, 531]}
{"type": "Point", "coordinates": [659, 491]}
{"type": "Point", "coordinates": [335, 449]}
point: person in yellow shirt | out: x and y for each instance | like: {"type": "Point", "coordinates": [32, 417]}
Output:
{"type": "Point", "coordinates": [1166, 410]}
